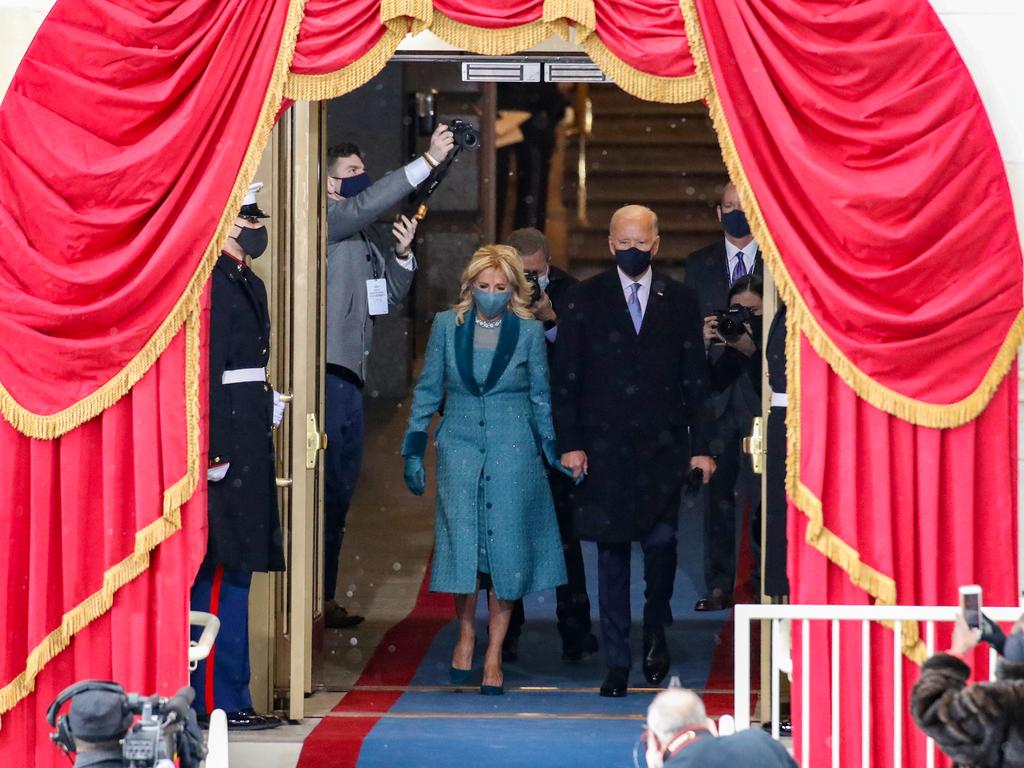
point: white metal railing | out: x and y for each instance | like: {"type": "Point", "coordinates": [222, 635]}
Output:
{"type": "Point", "coordinates": [780, 615]}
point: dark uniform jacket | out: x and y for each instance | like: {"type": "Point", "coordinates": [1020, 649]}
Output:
{"type": "Point", "coordinates": [977, 725]}
{"type": "Point", "coordinates": [559, 284]}
{"type": "Point", "coordinates": [746, 749]}
{"type": "Point", "coordinates": [635, 403]}
{"type": "Point", "coordinates": [245, 531]}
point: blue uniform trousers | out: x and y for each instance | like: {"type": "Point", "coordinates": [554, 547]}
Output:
{"type": "Point", "coordinates": [222, 680]}
{"type": "Point", "coordinates": [342, 461]}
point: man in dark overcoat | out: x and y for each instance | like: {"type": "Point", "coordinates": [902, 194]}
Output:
{"type": "Point", "coordinates": [710, 273]}
{"type": "Point", "coordinates": [244, 527]}
{"type": "Point", "coordinates": [629, 394]}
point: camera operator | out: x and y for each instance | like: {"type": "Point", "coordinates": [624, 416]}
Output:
{"type": "Point", "coordinates": [734, 337]}
{"type": "Point", "coordinates": [550, 288]}
{"type": "Point", "coordinates": [982, 724]}
{"type": "Point", "coordinates": [98, 722]}
{"type": "Point", "coordinates": [364, 278]}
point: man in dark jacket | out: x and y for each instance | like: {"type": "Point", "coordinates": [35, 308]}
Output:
{"type": "Point", "coordinates": [244, 528]}
{"type": "Point", "coordinates": [629, 395]}
{"type": "Point", "coordinates": [573, 602]}
{"type": "Point", "coordinates": [710, 273]}
{"type": "Point", "coordinates": [982, 724]}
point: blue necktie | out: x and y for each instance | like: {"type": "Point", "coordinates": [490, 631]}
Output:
{"type": "Point", "coordinates": [740, 270]}
{"type": "Point", "coordinates": [634, 307]}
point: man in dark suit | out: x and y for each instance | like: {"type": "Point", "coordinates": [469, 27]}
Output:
{"type": "Point", "coordinates": [629, 393]}
{"type": "Point", "coordinates": [573, 602]}
{"type": "Point", "coordinates": [710, 272]}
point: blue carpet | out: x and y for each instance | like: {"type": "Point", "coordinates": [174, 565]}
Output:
{"type": "Point", "coordinates": [551, 727]}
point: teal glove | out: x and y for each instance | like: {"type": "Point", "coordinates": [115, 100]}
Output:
{"type": "Point", "coordinates": [415, 475]}
{"type": "Point", "coordinates": [555, 461]}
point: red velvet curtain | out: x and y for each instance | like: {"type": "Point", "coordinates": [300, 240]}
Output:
{"type": "Point", "coordinates": [874, 184]}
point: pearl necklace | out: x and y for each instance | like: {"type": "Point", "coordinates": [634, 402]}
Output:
{"type": "Point", "coordinates": [488, 323]}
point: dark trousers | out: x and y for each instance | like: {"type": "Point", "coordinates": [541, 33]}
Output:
{"type": "Point", "coordinates": [342, 461]}
{"type": "Point", "coordinates": [659, 548]}
{"type": "Point", "coordinates": [775, 582]}
{"type": "Point", "coordinates": [572, 600]}
{"type": "Point", "coordinates": [723, 516]}
{"type": "Point", "coordinates": [222, 680]}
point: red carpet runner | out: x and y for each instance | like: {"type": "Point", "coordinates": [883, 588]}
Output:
{"type": "Point", "coordinates": [337, 740]}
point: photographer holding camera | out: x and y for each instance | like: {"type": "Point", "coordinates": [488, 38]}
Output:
{"type": "Point", "coordinates": [979, 725]}
{"type": "Point", "coordinates": [364, 278]}
{"type": "Point", "coordinates": [712, 272]}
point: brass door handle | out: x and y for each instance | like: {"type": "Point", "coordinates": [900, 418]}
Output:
{"type": "Point", "coordinates": [283, 482]}
{"type": "Point", "coordinates": [755, 445]}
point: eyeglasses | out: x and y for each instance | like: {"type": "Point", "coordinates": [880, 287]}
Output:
{"type": "Point", "coordinates": [250, 219]}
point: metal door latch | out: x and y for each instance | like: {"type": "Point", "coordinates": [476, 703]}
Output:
{"type": "Point", "coordinates": [755, 446]}
{"type": "Point", "coordinates": [315, 441]}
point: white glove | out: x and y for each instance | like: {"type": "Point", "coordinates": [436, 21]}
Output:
{"type": "Point", "coordinates": [218, 473]}
{"type": "Point", "coordinates": [279, 406]}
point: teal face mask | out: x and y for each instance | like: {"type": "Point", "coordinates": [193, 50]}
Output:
{"type": "Point", "coordinates": [491, 303]}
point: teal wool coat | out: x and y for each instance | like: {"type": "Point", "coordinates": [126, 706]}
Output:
{"type": "Point", "coordinates": [490, 444]}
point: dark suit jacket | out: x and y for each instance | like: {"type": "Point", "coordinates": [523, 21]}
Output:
{"type": "Point", "coordinates": [244, 528]}
{"type": "Point", "coordinates": [635, 403]}
{"type": "Point", "coordinates": [559, 285]}
{"type": "Point", "coordinates": [749, 749]}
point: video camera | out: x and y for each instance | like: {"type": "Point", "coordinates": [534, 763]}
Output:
{"type": "Point", "coordinates": [166, 728]}
{"type": "Point", "coordinates": [732, 322]}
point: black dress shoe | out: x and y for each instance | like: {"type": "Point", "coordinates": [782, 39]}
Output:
{"type": "Point", "coordinates": [578, 649]}
{"type": "Point", "coordinates": [715, 600]}
{"type": "Point", "coordinates": [616, 683]}
{"type": "Point", "coordinates": [785, 727]}
{"type": "Point", "coordinates": [245, 720]}
{"type": "Point", "coordinates": [656, 658]}
{"type": "Point", "coordinates": [510, 649]}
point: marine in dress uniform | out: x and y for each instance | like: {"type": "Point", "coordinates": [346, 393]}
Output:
{"type": "Point", "coordinates": [244, 527]}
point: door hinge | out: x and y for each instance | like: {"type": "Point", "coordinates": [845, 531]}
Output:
{"type": "Point", "coordinates": [754, 445]}
{"type": "Point", "coordinates": [315, 441]}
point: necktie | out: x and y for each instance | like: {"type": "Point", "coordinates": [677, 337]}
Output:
{"type": "Point", "coordinates": [740, 270]}
{"type": "Point", "coordinates": [634, 307]}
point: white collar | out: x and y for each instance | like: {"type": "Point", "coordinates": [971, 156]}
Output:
{"type": "Point", "coordinates": [749, 250]}
{"type": "Point", "coordinates": [644, 280]}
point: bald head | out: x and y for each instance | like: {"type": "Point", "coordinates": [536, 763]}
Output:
{"type": "Point", "coordinates": [633, 226]}
{"type": "Point", "coordinates": [674, 710]}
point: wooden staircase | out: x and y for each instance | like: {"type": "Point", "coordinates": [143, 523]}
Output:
{"type": "Point", "coordinates": [664, 156]}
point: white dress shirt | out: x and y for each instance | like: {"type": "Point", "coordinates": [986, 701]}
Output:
{"type": "Point", "coordinates": [733, 254]}
{"type": "Point", "coordinates": [643, 293]}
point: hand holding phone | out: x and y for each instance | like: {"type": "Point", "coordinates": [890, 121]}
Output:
{"type": "Point", "coordinates": [970, 605]}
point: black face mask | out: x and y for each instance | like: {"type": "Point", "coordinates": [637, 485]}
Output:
{"type": "Point", "coordinates": [633, 261]}
{"type": "Point", "coordinates": [252, 241]}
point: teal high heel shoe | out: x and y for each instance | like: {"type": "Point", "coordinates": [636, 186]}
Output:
{"type": "Point", "coordinates": [459, 676]}
{"type": "Point", "coordinates": [492, 690]}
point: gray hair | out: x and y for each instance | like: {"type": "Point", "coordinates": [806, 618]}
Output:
{"type": "Point", "coordinates": [674, 710]}
{"type": "Point", "coordinates": [634, 212]}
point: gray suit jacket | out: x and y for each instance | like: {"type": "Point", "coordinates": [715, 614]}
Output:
{"type": "Point", "coordinates": [353, 258]}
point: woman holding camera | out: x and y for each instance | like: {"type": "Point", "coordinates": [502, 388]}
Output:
{"type": "Point", "coordinates": [495, 525]}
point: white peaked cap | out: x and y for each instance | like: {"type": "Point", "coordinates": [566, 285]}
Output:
{"type": "Point", "coordinates": [250, 198]}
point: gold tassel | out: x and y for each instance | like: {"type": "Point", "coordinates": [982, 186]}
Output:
{"type": "Point", "coordinates": [146, 540]}
{"type": "Point", "coordinates": [668, 90]}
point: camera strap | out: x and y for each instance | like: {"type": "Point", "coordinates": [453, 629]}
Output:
{"type": "Point", "coordinates": [416, 205]}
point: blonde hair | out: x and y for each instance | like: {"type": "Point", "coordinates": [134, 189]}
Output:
{"type": "Point", "coordinates": [505, 259]}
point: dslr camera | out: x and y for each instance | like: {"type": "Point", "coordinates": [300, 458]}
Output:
{"type": "Point", "coordinates": [535, 290]}
{"type": "Point", "coordinates": [466, 135]}
{"type": "Point", "coordinates": [732, 322]}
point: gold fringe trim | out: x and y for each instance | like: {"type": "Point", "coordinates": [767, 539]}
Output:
{"type": "Point", "coordinates": [348, 78]}
{"type": "Point", "coordinates": [146, 540]}
{"type": "Point", "coordinates": [48, 427]}
{"type": "Point", "coordinates": [52, 426]}
{"type": "Point", "coordinates": [490, 42]}
{"type": "Point", "coordinates": [581, 12]}
{"type": "Point", "coordinates": [878, 585]}
{"type": "Point", "coordinates": [908, 409]}
{"type": "Point", "coordinates": [668, 90]}
{"type": "Point", "coordinates": [412, 16]}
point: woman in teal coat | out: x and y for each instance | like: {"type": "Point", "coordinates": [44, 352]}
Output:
{"type": "Point", "coordinates": [495, 527]}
